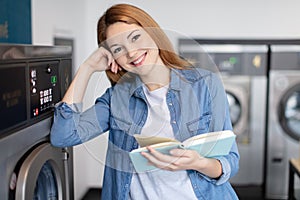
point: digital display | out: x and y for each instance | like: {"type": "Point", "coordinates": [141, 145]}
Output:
{"type": "Point", "coordinates": [228, 62]}
{"type": "Point", "coordinates": [12, 95]}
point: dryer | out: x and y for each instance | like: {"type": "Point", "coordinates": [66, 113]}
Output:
{"type": "Point", "coordinates": [283, 118]}
{"type": "Point", "coordinates": [33, 79]}
{"type": "Point", "coordinates": [243, 69]}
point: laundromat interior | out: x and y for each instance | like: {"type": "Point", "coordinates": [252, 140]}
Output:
{"type": "Point", "coordinates": [253, 45]}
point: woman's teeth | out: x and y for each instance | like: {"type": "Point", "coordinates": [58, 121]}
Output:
{"type": "Point", "coordinates": [139, 60]}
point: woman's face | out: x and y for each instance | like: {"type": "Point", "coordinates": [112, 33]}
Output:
{"type": "Point", "coordinates": [132, 48]}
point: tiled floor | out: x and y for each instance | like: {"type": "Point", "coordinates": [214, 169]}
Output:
{"type": "Point", "coordinates": [92, 194]}
{"type": "Point", "coordinates": [250, 193]}
{"type": "Point", "coordinates": [244, 193]}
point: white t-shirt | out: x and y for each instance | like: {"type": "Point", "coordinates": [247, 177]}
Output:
{"type": "Point", "coordinates": [160, 184]}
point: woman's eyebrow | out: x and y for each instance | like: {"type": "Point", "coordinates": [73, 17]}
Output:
{"type": "Point", "coordinates": [132, 33]}
{"type": "Point", "coordinates": [113, 45]}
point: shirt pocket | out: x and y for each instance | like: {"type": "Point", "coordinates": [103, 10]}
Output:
{"type": "Point", "coordinates": [199, 125]}
{"type": "Point", "coordinates": [119, 134]}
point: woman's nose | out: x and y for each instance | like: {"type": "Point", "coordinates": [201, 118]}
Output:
{"type": "Point", "coordinates": [131, 51]}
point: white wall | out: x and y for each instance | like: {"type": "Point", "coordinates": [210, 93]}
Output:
{"type": "Point", "coordinates": [217, 18]}
{"type": "Point", "coordinates": [196, 18]}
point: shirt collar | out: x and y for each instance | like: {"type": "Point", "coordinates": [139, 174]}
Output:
{"type": "Point", "coordinates": [177, 79]}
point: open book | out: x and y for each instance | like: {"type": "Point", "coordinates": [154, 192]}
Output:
{"type": "Point", "coordinates": [208, 145]}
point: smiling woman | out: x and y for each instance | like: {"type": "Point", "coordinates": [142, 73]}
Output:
{"type": "Point", "coordinates": [133, 49]}
{"type": "Point", "coordinates": [132, 15]}
{"type": "Point", "coordinates": [154, 93]}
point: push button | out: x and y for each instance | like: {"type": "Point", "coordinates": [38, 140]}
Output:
{"type": "Point", "coordinates": [49, 70]}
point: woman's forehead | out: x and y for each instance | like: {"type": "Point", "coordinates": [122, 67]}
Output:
{"type": "Point", "coordinates": [120, 29]}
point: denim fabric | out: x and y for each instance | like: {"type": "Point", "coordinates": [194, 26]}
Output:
{"type": "Point", "coordinates": [46, 187]}
{"type": "Point", "coordinates": [198, 104]}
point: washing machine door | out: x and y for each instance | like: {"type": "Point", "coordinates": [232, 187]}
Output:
{"type": "Point", "coordinates": [235, 108]}
{"type": "Point", "coordinates": [238, 106]}
{"type": "Point", "coordinates": [42, 175]}
{"type": "Point", "coordinates": [289, 112]}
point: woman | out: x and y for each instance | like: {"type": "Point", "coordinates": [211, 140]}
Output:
{"type": "Point", "coordinates": [154, 92]}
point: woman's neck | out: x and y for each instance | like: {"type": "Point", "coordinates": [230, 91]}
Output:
{"type": "Point", "coordinates": [159, 77]}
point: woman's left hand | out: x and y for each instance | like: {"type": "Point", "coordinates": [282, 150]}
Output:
{"type": "Point", "coordinates": [184, 159]}
{"type": "Point", "coordinates": [180, 159]}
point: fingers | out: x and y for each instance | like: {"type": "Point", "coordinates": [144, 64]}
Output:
{"type": "Point", "coordinates": [160, 156]}
{"type": "Point", "coordinates": [114, 67]}
{"type": "Point", "coordinates": [179, 152]}
{"type": "Point", "coordinates": [160, 160]}
{"type": "Point", "coordinates": [111, 62]}
{"type": "Point", "coordinates": [178, 159]}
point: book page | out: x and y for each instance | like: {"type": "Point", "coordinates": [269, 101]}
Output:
{"type": "Point", "coordinates": [160, 147]}
{"type": "Point", "coordinates": [207, 137]}
{"type": "Point", "coordinates": [150, 140]}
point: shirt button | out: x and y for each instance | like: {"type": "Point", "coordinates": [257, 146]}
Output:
{"type": "Point", "coordinates": [174, 122]}
{"type": "Point", "coordinates": [170, 104]}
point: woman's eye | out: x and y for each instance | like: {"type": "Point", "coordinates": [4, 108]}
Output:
{"type": "Point", "coordinates": [136, 37]}
{"type": "Point", "coordinates": [117, 50]}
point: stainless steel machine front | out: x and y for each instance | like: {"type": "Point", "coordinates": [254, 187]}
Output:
{"type": "Point", "coordinates": [243, 70]}
{"type": "Point", "coordinates": [33, 79]}
{"type": "Point", "coordinates": [284, 118]}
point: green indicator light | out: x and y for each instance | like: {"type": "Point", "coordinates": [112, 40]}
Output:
{"type": "Point", "coordinates": [232, 60]}
{"type": "Point", "coordinates": [53, 79]}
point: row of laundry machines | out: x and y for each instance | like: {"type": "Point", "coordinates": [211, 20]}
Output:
{"type": "Point", "coordinates": [262, 82]}
{"type": "Point", "coordinates": [33, 79]}
{"type": "Point", "coordinates": [261, 78]}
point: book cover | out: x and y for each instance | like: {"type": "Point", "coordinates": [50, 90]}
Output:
{"type": "Point", "coordinates": [211, 144]}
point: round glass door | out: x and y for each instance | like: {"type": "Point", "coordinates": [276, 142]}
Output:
{"type": "Point", "coordinates": [41, 175]}
{"type": "Point", "coordinates": [289, 114]}
{"type": "Point", "coordinates": [46, 186]}
{"type": "Point", "coordinates": [234, 107]}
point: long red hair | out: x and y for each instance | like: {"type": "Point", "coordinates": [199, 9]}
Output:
{"type": "Point", "coordinates": [132, 15]}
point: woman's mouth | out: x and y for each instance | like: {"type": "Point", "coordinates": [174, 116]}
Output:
{"type": "Point", "coordinates": [139, 61]}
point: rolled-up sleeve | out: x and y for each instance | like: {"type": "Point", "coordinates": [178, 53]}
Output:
{"type": "Point", "coordinates": [71, 126]}
{"type": "Point", "coordinates": [221, 121]}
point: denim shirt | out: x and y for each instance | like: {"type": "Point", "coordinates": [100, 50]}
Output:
{"type": "Point", "coordinates": [197, 103]}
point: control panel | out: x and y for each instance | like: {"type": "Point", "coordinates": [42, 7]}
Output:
{"type": "Point", "coordinates": [229, 59]}
{"type": "Point", "coordinates": [44, 87]}
{"type": "Point", "coordinates": [29, 90]}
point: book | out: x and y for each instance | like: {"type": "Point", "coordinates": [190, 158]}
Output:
{"type": "Point", "coordinates": [208, 145]}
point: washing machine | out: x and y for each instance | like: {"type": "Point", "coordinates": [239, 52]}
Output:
{"type": "Point", "coordinates": [283, 118]}
{"type": "Point", "coordinates": [243, 70]}
{"type": "Point", "coordinates": [33, 79]}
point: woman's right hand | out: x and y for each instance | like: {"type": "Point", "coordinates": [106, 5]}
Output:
{"type": "Point", "coordinates": [101, 60]}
